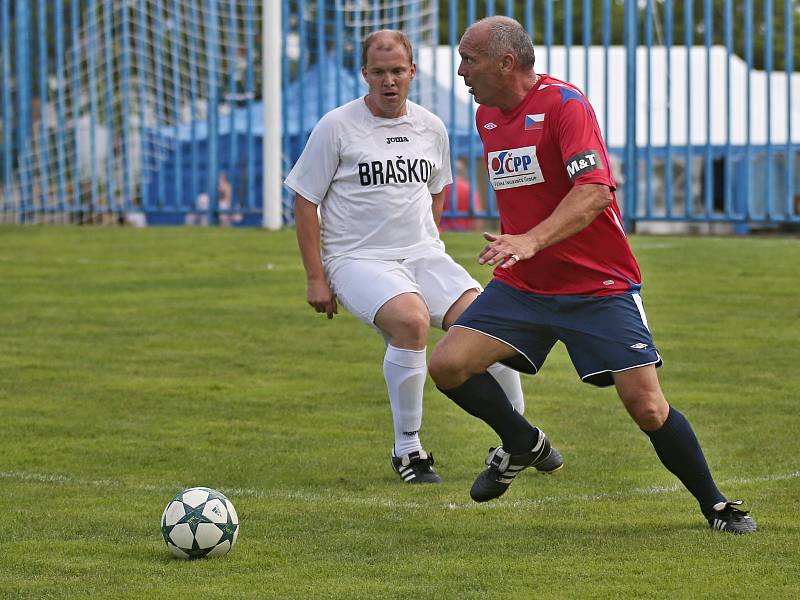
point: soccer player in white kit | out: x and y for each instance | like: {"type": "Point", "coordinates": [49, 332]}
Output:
{"type": "Point", "coordinates": [369, 191]}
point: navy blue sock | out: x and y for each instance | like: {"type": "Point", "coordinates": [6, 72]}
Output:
{"type": "Point", "coordinates": [677, 447]}
{"type": "Point", "coordinates": [482, 397]}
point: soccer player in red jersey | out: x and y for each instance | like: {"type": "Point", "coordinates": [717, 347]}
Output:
{"type": "Point", "coordinates": [564, 272]}
{"type": "Point", "coordinates": [368, 197]}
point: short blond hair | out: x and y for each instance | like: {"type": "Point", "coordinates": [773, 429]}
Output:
{"type": "Point", "coordinates": [396, 35]}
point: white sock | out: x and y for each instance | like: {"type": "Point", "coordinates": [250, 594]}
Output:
{"type": "Point", "coordinates": [405, 372]}
{"type": "Point", "coordinates": [512, 386]}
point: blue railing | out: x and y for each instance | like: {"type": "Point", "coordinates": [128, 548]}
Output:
{"type": "Point", "coordinates": [112, 108]}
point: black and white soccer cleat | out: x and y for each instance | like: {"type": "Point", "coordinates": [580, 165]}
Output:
{"type": "Point", "coordinates": [551, 464]}
{"type": "Point", "coordinates": [416, 467]}
{"type": "Point", "coordinates": [729, 518]}
{"type": "Point", "coordinates": [504, 467]}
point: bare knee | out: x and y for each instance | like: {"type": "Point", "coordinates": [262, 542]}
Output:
{"type": "Point", "coordinates": [410, 331]}
{"type": "Point", "coordinates": [463, 353]}
{"type": "Point", "coordinates": [446, 371]}
{"type": "Point", "coordinates": [649, 414]}
{"type": "Point", "coordinates": [405, 321]}
{"type": "Point", "coordinates": [641, 394]}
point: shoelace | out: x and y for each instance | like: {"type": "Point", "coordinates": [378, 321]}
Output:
{"type": "Point", "coordinates": [428, 460]}
{"type": "Point", "coordinates": [731, 509]}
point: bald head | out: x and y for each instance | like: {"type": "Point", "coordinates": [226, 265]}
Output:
{"type": "Point", "coordinates": [503, 35]}
{"type": "Point", "coordinates": [386, 39]}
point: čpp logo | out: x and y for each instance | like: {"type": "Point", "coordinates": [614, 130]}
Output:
{"type": "Point", "coordinates": [514, 167]}
{"type": "Point", "coordinates": [509, 162]}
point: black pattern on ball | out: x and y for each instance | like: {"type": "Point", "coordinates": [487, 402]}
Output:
{"type": "Point", "coordinates": [199, 522]}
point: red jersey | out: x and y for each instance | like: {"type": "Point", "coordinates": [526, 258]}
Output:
{"type": "Point", "coordinates": [535, 154]}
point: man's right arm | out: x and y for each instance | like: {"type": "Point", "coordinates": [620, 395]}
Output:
{"type": "Point", "coordinates": [319, 293]}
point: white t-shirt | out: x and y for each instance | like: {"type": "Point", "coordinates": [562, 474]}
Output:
{"type": "Point", "coordinates": [373, 178]}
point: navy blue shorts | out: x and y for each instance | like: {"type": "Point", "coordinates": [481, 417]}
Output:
{"type": "Point", "coordinates": [603, 334]}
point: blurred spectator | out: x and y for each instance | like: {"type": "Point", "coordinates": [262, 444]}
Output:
{"type": "Point", "coordinates": [226, 218]}
{"type": "Point", "coordinates": [463, 197]}
{"type": "Point", "coordinates": [224, 197]}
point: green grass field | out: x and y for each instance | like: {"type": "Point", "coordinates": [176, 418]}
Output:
{"type": "Point", "coordinates": [134, 363]}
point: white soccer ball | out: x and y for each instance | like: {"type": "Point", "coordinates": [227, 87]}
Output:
{"type": "Point", "coordinates": [199, 522]}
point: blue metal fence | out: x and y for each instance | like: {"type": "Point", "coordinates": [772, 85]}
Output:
{"type": "Point", "coordinates": [154, 106]}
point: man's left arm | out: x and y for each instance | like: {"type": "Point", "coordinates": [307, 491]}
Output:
{"type": "Point", "coordinates": [437, 206]}
{"type": "Point", "coordinates": [442, 177]}
{"type": "Point", "coordinates": [582, 205]}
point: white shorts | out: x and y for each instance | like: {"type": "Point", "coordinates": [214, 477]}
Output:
{"type": "Point", "coordinates": [364, 285]}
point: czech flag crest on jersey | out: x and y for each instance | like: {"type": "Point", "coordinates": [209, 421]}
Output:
{"type": "Point", "coordinates": [534, 121]}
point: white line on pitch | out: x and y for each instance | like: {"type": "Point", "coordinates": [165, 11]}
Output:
{"type": "Point", "coordinates": [328, 495]}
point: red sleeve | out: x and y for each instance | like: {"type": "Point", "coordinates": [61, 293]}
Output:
{"type": "Point", "coordinates": [583, 150]}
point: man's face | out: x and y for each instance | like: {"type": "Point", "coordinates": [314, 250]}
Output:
{"type": "Point", "coordinates": [388, 74]}
{"type": "Point", "coordinates": [481, 73]}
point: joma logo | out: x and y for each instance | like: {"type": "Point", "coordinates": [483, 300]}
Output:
{"type": "Point", "coordinates": [394, 140]}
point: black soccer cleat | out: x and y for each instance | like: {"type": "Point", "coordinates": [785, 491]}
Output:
{"type": "Point", "coordinates": [731, 519]}
{"type": "Point", "coordinates": [552, 463]}
{"type": "Point", "coordinates": [503, 467]}
{"type": "Point", "coordinates": [416, 467]}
